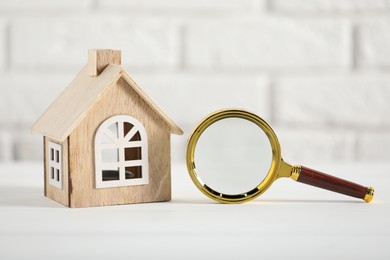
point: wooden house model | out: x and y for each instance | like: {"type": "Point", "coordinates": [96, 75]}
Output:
{"type": "Point", "coordinates": [105, 141]}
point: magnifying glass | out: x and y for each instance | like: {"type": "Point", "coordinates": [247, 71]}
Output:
{"type": "Point", "coordinates": [233, 156]}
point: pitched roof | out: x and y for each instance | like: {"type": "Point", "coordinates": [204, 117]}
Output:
{"type": "Point", "coordinates": [73, 104]}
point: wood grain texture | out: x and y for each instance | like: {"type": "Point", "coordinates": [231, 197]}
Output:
{"type": "Point", "coordinates": [59, 195]}
{"type": "Point", "coordinates": [119, 99]}
{"type": "Point", "coordinates": [65, 113]}
{"type": "Point", "coordinates": [98, 60]}
{"type": "Point", "coordinates": [328, 182]}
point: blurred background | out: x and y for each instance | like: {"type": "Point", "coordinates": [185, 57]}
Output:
{"type": "Point", "coordinates": [316, 70]}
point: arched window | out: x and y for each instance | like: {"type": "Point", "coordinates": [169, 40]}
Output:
{"type": "Point", "coordinates": [121, 153]}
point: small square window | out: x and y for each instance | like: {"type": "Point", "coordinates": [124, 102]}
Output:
{"type": "Point", "coordinates": [110, 155]}
{"type": "Point", "coordinates": [133, 172]}
{"type": "Point", "coordinates": [133, 153]}
{"type": "Point", "coordinates": [51, 154]}
{"type": "Point", "coordinates": [110, 175]}
{"type": "Point", "coordinates": [55, 164]}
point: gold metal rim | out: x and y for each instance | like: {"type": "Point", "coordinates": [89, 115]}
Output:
{"type": "Point", "coordinates": [369, 194]}
{"type": "Point", "coordinates": [237, 198]}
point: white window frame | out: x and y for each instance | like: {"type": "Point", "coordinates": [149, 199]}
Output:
{"type": "Point", "coordinates": [120, 143]}
{"type": "Point", "coordinates": [55, 164]}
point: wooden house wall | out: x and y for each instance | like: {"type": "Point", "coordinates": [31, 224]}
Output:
{"type": "Point", "coordinates": [119, 99]}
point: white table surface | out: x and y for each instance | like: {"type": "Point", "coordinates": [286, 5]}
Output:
{"type": "Point", "coordinates": [291, 220]}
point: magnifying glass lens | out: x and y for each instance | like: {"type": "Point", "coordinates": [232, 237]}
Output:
{"type": "Point", "coordinates": [233, 156]}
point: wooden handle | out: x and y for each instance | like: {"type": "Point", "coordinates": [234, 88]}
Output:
{"type": "Point", "coordinates": [328, 182]}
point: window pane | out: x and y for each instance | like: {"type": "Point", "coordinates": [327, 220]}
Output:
{"type": "Point", "coordinates": [133, 172]}
{"type": "Point", "coordinates": [105, 139]}
{"type": "Point", "coordinates": [110, 175]}
{"type": "Point", "coordinates": [126, 128]}
{"type": "Point", "coordinates": [133, 153]}
{"type": "Point", "coordinates": [51, 154]}
{"type": "Point", "coordinates": [52, 173]}
{"type": "Point", "coordinates": [109, 155]}
{"type": "Point", "coordinates": [58, 175]}
{"type": "Point", "coordinates": [57, 156]}
{"type": "Point", "coordinates": [136, 137]}
{"type": "Point", "coordinates": [114, 129]}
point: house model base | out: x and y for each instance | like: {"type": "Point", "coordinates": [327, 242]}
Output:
{"type": "Point", "coordinates": [105, 141]}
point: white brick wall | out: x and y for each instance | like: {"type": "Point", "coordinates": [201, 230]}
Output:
{"type": "Point", "coordinates": [25, 95]}
{"type": "Point", "coordinates": [268, 43]}
{"type": "Point", "coordinates": [6, 149]}
{"type": "Point", "coordinates": [352, 101]}
{"type": "Point", "coordinates": [317, 70]}
{"type": "Point", "coordinates": [374, 146]}
{"type": "Point", "coordinates": [373, 43]}
{"type": "Point", "coordinates": [147, 42]}
{"type": "Point", "coordinates": [3, 43]}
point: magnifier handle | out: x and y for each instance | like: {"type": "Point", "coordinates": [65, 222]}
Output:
{"type": "Point", "coordinates": [328, 182]}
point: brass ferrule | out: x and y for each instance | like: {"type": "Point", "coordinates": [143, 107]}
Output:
{"type": "Point", "coordinates": [295, 172]}
{"type": "Point", "coordinates": [369, 194]}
